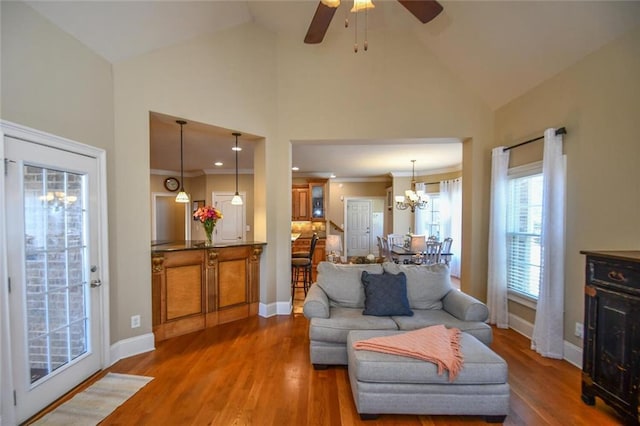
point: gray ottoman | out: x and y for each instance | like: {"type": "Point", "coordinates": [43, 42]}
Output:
{"type": "Point", "coordinates": [383, 383]}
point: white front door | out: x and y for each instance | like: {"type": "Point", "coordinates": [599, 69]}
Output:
{"type": "Point", "coordinates": [358, 232]}
{"type": "Point", "coordinates": [54, 216]}
{"type": "Point", "coordinates": [232, 228]}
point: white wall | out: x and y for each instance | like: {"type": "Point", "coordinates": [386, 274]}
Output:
{"type": "Point", "coordinates": [598, 100]}
{"type": "Point", "coordinates": [227, 81]}
{"type": "Point", "coordinates": [51, 82]}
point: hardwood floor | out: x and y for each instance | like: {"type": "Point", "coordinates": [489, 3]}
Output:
{"type": "Point", "coordinates": [256, 371]}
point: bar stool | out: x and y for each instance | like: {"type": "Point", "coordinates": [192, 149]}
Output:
{"type": "Point", "coordinates": [302, 263]}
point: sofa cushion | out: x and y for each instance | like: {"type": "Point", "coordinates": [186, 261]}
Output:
{"type": "Point", "coordinates": [342, 320]}
{"type": "Point", "coordinates": [385, 294]}
{"type": "Point", "coordinates": [426, 284]}
{"type": "Point", "coordinates": [426, 317]}
{"type": "Point", "coordinates": [342, 283]}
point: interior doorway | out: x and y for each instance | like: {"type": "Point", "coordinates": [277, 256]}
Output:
{"type": "Point", "coordinates": [233, 228]}
{"type": "Point", "coordinates": [364, 222]}
{"type": "Point", "coordinates": [169, 220]}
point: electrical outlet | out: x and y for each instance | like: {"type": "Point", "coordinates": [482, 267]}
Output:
{"type": "Point", "coordinates": [135, 321]}
{"type": "Point", "coordinates": [579, 330]}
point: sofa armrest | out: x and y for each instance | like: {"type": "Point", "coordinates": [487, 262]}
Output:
{"type": "Point", "coordinates": [465, 307]}
{"type": "Point", "coordinates": [316, 304]}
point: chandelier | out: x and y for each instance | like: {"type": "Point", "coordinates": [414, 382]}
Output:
{"type": "Point", "coordinates": [412, 199]}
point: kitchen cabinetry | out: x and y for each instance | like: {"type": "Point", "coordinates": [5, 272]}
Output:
{"type": "Point", "coordinates": [317, 191]}
{"type": "Point", "coordinates": [611, 353]}
{"type": "Point", "coordinates": [300, 203]}
{"type": "Point", "coordinates": [308, 202]}
{"type": "Point", "coordinates": [193, 288]}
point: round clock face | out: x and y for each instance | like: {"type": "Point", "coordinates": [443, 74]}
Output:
{"type": "Point", "coordinates": [171, 184]}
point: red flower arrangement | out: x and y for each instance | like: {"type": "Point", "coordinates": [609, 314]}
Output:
{"type": "Point", "coordinates": [208, 216]}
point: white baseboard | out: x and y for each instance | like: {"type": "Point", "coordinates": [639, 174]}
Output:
{"type": "Point", "coordinates": [521, 326]}
{"type": "Point", "coordinates": [130, 347]}
{"type": "Point", "coordinates": [572, 353]}
{"type": "Point", "coordinates": [278, 308]}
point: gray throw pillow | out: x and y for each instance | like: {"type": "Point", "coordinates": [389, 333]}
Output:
{"type": "Point", "coordinates": [427, 285]}
{"type": "Point", "coordinates": [385, 295]}
{"type": "Point", "coordinates": [342, 283]}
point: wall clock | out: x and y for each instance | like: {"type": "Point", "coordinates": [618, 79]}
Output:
{"type": "Point", "coordinates": [172, 184]}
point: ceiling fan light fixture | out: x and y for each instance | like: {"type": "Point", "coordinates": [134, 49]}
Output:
{"type": "Point", "coordinates": [360, 5]}
{"type": "Point", "coordinates": [331, 3]}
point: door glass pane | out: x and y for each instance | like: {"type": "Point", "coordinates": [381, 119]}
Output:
{"type": "Point", "coordinates": [55, 269]}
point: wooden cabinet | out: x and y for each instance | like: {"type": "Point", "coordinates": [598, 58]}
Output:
{"type": "Point", "coordinates": [300, 203]}
{"type": "Point", "coordinates": [317, 191]}
{"type": "Point", "coordinates": [611, 353]}
{"type": "Point", "coordinates": [192, 289]}
{"type": "Point", "coordinates": [308, 202]}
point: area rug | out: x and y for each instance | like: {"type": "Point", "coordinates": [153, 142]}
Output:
{"type": "Point", "coordinates": [93, 404]}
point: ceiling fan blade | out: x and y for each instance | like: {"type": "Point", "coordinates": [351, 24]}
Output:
{"type": "Point", "coordinates": [424, 10]}
{"type": "Point", "coordinates": [319, 23]}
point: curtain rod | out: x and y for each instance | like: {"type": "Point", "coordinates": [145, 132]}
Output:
{"type": "Point", "coordinates": [560, 131]}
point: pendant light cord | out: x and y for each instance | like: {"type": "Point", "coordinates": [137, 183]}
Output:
{"type": "Point", "coordinates": [236, 164]}
{"type": "Point", "coordinates": [181, 123]}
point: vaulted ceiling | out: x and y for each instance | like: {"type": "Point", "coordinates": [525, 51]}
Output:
{"type": "Point", "coordinates": [500, 49]}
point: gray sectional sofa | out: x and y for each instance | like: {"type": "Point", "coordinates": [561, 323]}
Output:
{"type": "Point", "coordinates": [335, 303]}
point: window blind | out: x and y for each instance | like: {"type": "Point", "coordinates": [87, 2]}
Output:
{"type": "Point", "coordinates": [524, 227]}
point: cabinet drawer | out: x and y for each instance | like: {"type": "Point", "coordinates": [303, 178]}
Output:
{"type": "Point", "coordinates": [617, 274]}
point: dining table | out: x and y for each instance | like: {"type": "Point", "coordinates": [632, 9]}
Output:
{"type": "Point", "coordinates": [406, 255]}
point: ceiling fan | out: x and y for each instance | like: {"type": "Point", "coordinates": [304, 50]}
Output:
{"type": "Point", "coordinates": [424, 10]}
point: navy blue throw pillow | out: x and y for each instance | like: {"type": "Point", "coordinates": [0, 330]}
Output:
{"type": "Point", "coordinates": [385, 294]}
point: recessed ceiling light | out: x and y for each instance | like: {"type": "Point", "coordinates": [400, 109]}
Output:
{"type": "Point", "coordinates": [218, 163]}
{"type": "Point", "coordinates": [332, 176]}
{"type": "Point", "coordinates": [295, 168]}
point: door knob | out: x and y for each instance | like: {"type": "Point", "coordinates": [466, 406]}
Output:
{"type": "Point", "coordinates": [95, 283]}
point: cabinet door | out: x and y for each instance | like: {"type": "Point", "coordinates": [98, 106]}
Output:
{"type": "Point", "coordinates": [317, 191]}
{"type": "Point", "coordinates": [616, 345]}
{"type": "Point", "coordinates": [300, 204]}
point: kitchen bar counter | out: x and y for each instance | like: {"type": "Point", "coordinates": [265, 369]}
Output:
{"type": "Point", "coordinates": [196, 286]}
{"type": "Point", "coordinates": [159, 246]}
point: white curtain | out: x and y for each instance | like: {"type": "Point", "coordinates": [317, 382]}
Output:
{"type": "Point", "coordinates": [451, 220]}
{"type": "Point", "coordinates": [548, 336]}
{"type": "Point", "coordinates": [497, 273]}
{"type": "Point", "coordinates": [420, 216]}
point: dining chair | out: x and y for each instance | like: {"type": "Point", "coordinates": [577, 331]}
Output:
{"type": "Point", "coordinates": [432, 252]}
{"type": "Point", "coordinates": [395, 240]}
{"type": "Point", "coordinates": [386, 249]}
{"type": "Point", "coordinates": [445, 250]}
{"type": "Point", "coordinates": [380, 247]}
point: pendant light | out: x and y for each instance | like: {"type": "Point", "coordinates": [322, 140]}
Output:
{"type": "Point", "coordinates": [182, 196]}
{"type": "Point", "coordinates": [236, 200]}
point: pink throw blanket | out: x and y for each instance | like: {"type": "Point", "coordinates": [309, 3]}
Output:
{"type": "Point", "coordinates": [436, 344]}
